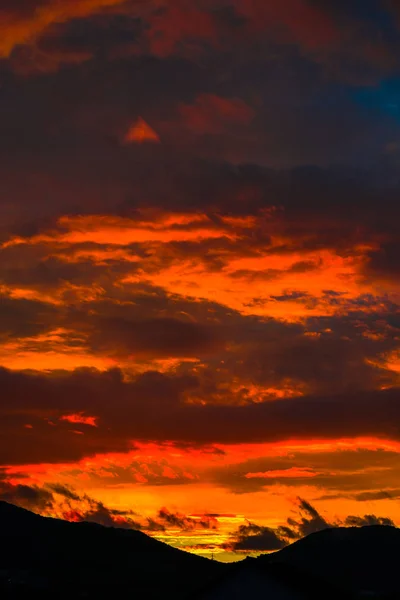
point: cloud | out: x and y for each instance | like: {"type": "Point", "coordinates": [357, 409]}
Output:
{"type": "Point", "coordinates": [184, 522]}
{"type": "Point", "coordinates": [302, 22]}
{"type": "Point", "coordinates": [94, 511]}
{"type": "Point", "coordinates": [152, 406]}
{"type": "Point", "coordinates": [359, 471]}
{"type": "Point", "coordinates": [256, 538]}
{"type": "Point", "coordinates": [21, 317]}
{"type": "Point", "coordinates": [56, 499]}
{"type": "Point", "coordinates": [212, 114]}
{"type": "Point", "coordinates": [367, 520]}
{"type": "Point", "coordinates": [63, 490]}
{"type": "Point", "coordinates": [328, 36]}
{"type": "Point", "coordinates": [244, 271]}
{"type": "Point", "coordinates": [166, 337]}
{"type": "Point", "coordinates": [291, 295]}
{"type": "Point", "coordinates": [253, 538]}
{"type": "Point", "coordinates": [309, 520]}
{"type": "Point", "coordinates": [27, 22]}
{"type": "Point", "coordinates": [180, 28]}
{"type": "Point", "coordinates": [29, 60]}
{"type": "Point", "coordinates": [30, 497]}
{"type": "Point", "coordinates": [377, 495]}
{"type": "Point", "coordinates": [153, 525]}
{"type": "Point", "coordinates": [291, 473]}
{"type": "Point", "coordinates": [140, 133]}
{"type": "Point", "coordinates": [80, 419]}
{"type": "Point", "coordinates": [384, 263]}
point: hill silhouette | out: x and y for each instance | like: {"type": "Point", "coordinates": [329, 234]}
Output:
{"type": "Point", "coordinates": [86, 559]}
{"type": "Point", "coordinates": [42, 557]}
{"type": "Point", "coordinates": [359, 559]}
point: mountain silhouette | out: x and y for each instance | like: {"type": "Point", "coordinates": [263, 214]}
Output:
{"type": "Point", "coordinates": [358, 559]}
{"type": "Point", "coordinates": [42, 557]}
{"type": "Point", "coordinates": [72, 560]}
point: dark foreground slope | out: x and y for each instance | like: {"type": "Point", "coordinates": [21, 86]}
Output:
{"type": "Point", "coordinates": [75, 560]}
{"type": "Point", "coordinates": [358, 559]}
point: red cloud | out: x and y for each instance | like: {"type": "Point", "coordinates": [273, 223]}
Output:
{"type": "Point", "coordinates": [213, 114]}
{"type": "Point", "coordinates": [141, 132]}
{"type": "Point", "coordinates": [80, 418]}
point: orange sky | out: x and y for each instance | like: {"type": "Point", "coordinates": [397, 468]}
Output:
{"type": "Point", "coordinates": [199, 267]}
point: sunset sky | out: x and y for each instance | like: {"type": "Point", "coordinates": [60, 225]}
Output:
{"type": "Point", "coordinates": [199, 266]}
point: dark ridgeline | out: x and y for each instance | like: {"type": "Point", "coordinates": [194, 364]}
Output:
{"type": "Point", "coordinates": [363, 560]}
{"type": "Point", "coordinates": [45, 558]}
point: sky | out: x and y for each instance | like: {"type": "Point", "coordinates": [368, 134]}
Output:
{"type": "Point", "coordinates": [199, 266]}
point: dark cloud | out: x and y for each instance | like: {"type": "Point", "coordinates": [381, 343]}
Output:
{"type": "Point", "coordinates": [353, 521]}
{"type": "Point", "coordinates": [154, 338]}
{"type": "Point", "coordinates": [366, 496]}
{"type": "Point", "coordinates": [378, 495]}
{"type": "Point", "coordinates": [63, 490]}
{"type": "Point", "coordinates": [309, 520]}
{"type": "Point", "coordinates": [20, 317]}
{"type": "Point", "coordinates": [255, 538]}
{"type": "Point", "coordinates": [384, 263]}
{"type": "Point", "coordinates": [141, 472]}
{"type": "Point", "coordinates": [31, 497]}
{"type": "Point", "coordinates": [322, 31]}
{"type": "Point", "coordinates": [57, 499]}
{"type": "Point", "coordinates": [212, 114]}
{"type": "Point", "coordinates": [320, 355]}
{"type": "Point", "coordinates": [27, 269]}
{"type": "Point", "coordinates": [291, 295]}
{"type": "Point", "coordinates": [94, 511]}
{"type": "Point", "coordinates": [152, 407]}
{"type": "Point", "coordinates": [184, 522]}
{"type": "Point", "coordinates": [361, 475]}
{"type": "Point", "coordinates": [153, 525]}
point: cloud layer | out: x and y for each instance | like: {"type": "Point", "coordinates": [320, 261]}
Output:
{"type": "Point", "coordinates": [199, 257]}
